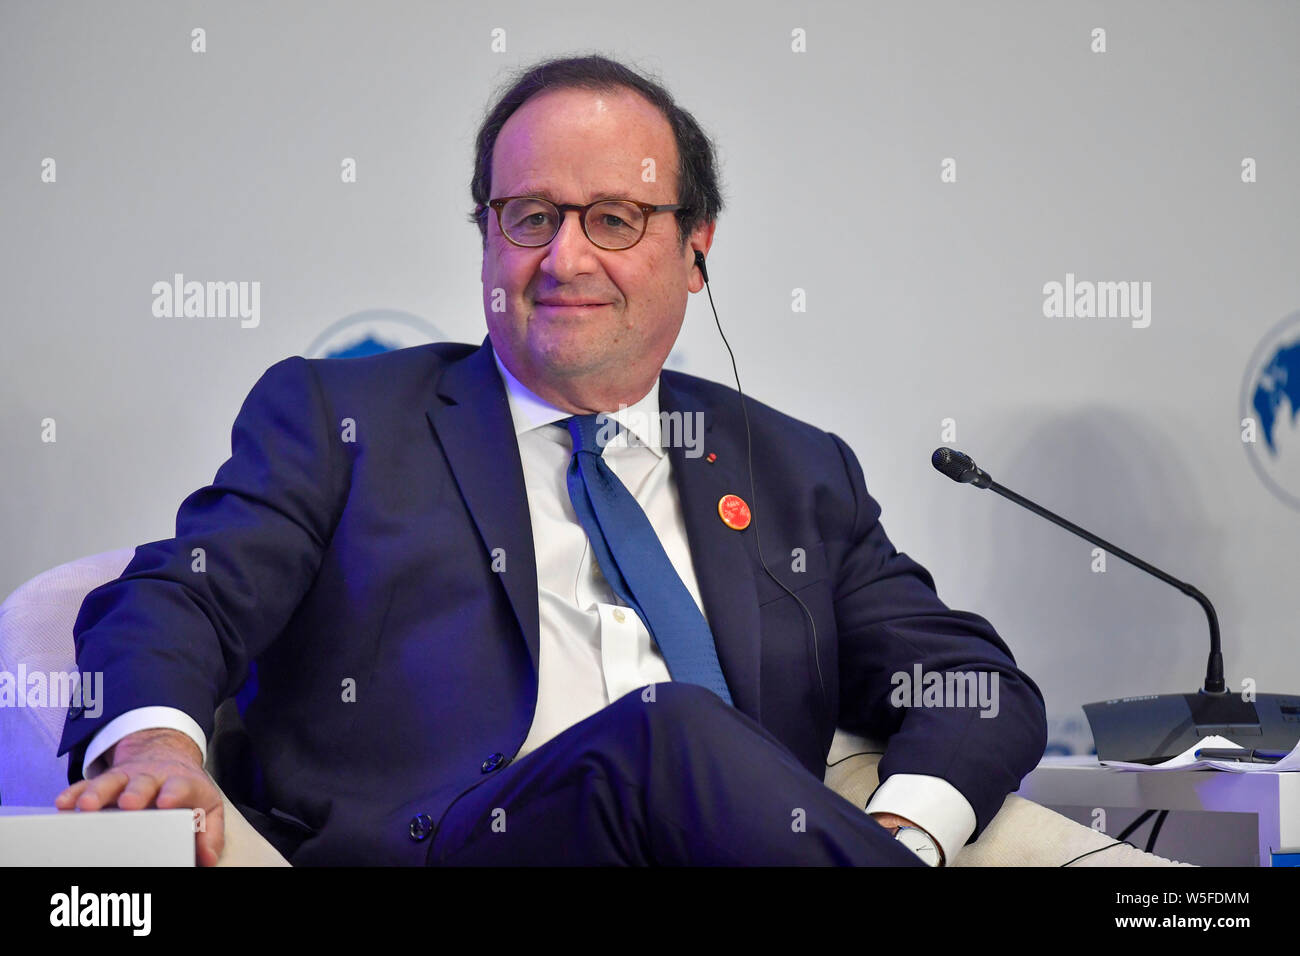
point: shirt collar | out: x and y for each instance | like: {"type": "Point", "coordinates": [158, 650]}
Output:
{"type": "Point", "coordinates": [529, 411]}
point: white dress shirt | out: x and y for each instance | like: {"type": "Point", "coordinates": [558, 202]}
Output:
{"type": "Point", "coordinates": [594, 649]}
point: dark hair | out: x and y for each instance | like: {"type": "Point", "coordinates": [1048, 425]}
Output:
{"type": "Point", "coordinates": [697, 177]}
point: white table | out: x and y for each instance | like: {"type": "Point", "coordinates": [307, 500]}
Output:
{"type": "Point", "coordinates": [44, 836]}
{"type": "Point", "coordinates": [1273, 799]}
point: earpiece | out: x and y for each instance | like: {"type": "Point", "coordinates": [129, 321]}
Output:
{"type": "Point", "coordinates": [699, 261]}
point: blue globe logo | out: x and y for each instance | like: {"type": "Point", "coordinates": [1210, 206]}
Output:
{"type": "Point", "coordinates": [1271, 398]}
{"type": "Point", "coordinates": [372, 331]}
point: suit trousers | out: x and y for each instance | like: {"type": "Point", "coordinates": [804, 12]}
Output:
{"type": "Point", "coordinates": [668, 774]}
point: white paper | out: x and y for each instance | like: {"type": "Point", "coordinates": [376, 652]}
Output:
{"type": "Point", "coordinates": [1187, 761]}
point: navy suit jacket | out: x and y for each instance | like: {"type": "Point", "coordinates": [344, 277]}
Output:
{"type": "Point", "coordinates": [328, 560]}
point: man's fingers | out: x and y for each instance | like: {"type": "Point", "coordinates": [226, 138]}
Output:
{"type": "Point", "coordinates": [209, 813]}
{"type": "Point", "coordinates": [134, 787]}
{"type": "Point", "coordinates": [211, 839]}
{"type": "Point", "coordinates": [103, 790]}
{"type": "Point", "coordinates": [139, 793]}
{"type": "Point", "coordinates": [184, 791]}
{"type": "Point", "coordinates": [67, 799]}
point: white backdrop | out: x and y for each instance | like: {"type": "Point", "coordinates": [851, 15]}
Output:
{"type": "Point", "coordinates": [924, 297]}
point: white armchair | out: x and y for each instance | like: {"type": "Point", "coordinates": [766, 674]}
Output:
{"type": "Point", "coordinates": [36, 631]}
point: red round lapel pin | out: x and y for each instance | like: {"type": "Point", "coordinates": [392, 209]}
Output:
{"type": "Point", "coordinates": [734, 512]}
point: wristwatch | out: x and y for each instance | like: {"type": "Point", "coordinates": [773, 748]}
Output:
{"type": "Point", "coordinates": [919, 842]}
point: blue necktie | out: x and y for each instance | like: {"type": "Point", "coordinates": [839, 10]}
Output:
{"type": "Point", "coordinates": [634, 562]}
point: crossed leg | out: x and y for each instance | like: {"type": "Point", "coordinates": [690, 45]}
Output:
{"type": "Point", "coordinates": [665, 775]}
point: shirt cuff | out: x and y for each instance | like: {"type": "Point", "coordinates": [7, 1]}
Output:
{"type": "Point", "coordinates": [933, 804]}
{"type": "Point", "coordinates": [142, 718]}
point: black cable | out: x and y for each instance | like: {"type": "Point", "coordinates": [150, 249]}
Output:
{"type": "Point", "coordinates": [1098, 850]}
{"type": "Point", "coordinates": [753, 496]}
{"type": "Point", "coordinates": [1160, 815]}
{"type": "Point", "coordinates": [861, 753]}
{"type": "Point", "coordinates": [1128, 830]}
{"type": "Point", "coordinates": [1155, 829]}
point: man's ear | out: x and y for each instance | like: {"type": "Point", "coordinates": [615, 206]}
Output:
{"type": "Point", "coordinates": [701, 240]}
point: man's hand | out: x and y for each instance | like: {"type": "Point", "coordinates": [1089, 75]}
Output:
{"type": "Point", "coordinates": [159, 768]}
{"type": "Point", "coordinates": [892, 821]}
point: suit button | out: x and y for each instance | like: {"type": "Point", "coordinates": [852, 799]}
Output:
{"type": "Point", "coordinates": [493, 761]}
{"type": "Point", "coordinates": [76, 713]}
{"type": "Point", "coordinates": [421, 827]}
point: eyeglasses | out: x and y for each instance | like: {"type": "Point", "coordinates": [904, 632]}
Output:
{"type": "Point", "coordinates": [612, 224]}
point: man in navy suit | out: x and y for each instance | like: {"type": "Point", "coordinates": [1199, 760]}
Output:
{"type": "Point", "coordinates": [484, 633]}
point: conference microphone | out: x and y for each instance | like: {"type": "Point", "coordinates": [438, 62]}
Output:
{"type": "Point", "coordinates": [959, 467]}
{"type": "Point", "coordinates": [1154, 728]}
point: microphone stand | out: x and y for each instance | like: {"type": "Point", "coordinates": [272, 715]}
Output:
{"type": "Point", "coordinates": [1153, 728]}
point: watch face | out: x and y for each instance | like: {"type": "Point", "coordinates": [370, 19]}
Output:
{"type": "Point", "coordinates": [919, 843]}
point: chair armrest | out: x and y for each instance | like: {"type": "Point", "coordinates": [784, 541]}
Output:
{"type": "Point", "coordinates": [1023, 833]}
{"type": "Point", "coordinates": [244, 845]}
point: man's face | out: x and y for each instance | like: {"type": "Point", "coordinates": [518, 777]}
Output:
{"type": "Point", "coordinates": [577, 146]}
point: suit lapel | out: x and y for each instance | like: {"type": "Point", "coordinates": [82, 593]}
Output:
{"type": "Point", "coordinates": [471, 416]}
{"type": "Point", "coordinates": [721, 555]}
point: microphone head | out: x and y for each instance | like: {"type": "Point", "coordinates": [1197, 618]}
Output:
{"type": "Point", "coordinates": [959, 467]}
{"type": "Point", "coordinates": [951, 462]}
